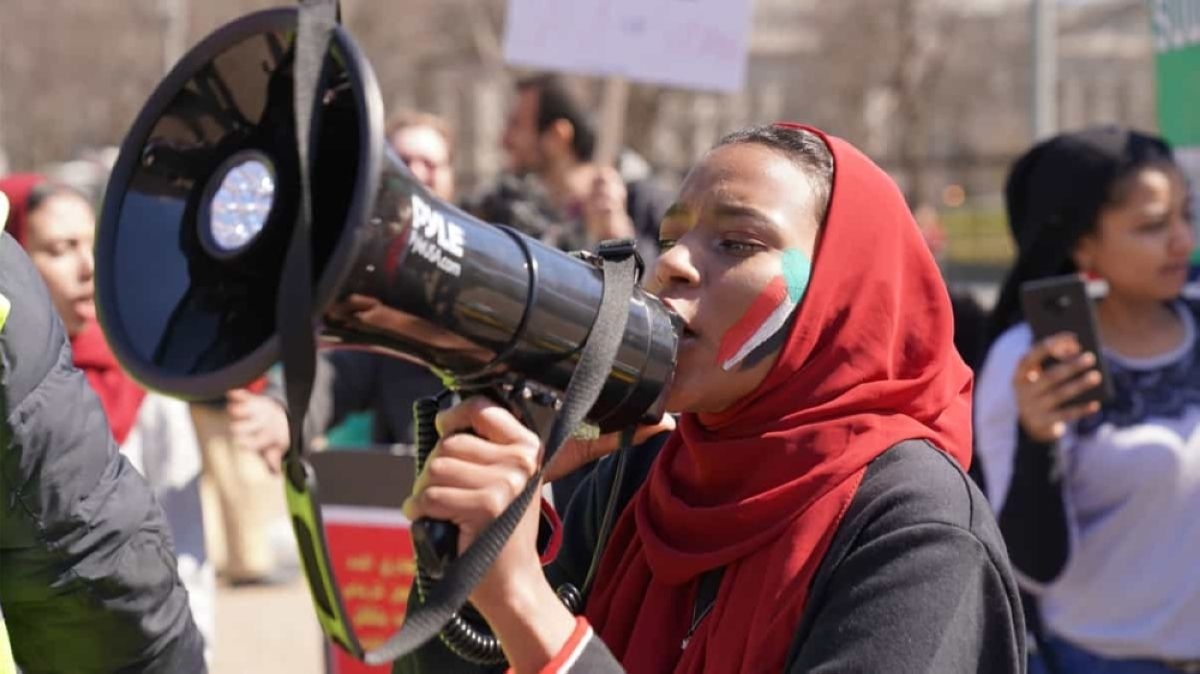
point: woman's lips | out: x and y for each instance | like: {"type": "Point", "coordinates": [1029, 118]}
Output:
{"type": "Point", "coordinates": [687, 339]}
{"type": "Point", "coordinates": [85, 307]}
{"type": "Point", "coordinates": [1177, 269]}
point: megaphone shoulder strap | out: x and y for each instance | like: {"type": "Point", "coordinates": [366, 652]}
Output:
{"type": "Point", "coordinates": [317, 21]}
{"type": "Point", "coordinates": [294, 307]}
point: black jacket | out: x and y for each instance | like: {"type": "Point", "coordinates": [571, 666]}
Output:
{"type": "Point", "coordinates": [915, 580]}
{"type": "Point", "coordinates": [88, 579]}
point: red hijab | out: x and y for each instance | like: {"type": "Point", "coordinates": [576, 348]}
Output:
{"type": "Point", "coordinates": [761, 488]}
{"type": "Point", "coordinates": [120, 396]}
{"type": "Point", "coordinates": [17, 187]}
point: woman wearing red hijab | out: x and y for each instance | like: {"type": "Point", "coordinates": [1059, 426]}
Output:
{"type": "Point", "coordinates": [810, 512]}
{"type": "Point", "coordinates": [56, 227]}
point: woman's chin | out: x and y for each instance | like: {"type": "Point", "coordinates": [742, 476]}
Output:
{"type": "Point", "coordinates": [73, 328]}
{"type": "Point", "coordinates": [681, 398]}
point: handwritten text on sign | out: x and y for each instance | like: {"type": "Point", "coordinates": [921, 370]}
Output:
{"type": "Point", "coordinates": [698, 44]}
{"type": "Point", "coordinates": [374, 565]}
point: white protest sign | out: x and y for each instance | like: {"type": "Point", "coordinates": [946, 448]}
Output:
{"type": "Point", "coordinates": [695, 44]}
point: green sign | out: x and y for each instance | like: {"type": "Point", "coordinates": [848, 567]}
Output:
{"type": "Point", "coordinates": [1177, 65]}
{"type": "Point", "coordinates": [1179, 94]}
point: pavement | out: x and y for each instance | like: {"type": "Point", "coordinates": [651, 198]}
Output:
{"type": "Point", "coordinates": [267, 629]}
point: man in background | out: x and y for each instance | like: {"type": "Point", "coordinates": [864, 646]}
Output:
{"type": "Point", "coordinates": [425, 143]}
{"type": "Point", "coordinates": [550, 136]}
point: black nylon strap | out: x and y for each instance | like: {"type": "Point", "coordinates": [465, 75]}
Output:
{"type": "Point", "coordinates": [295, 321]}
{"type": "Point", "coordinates": [450, 594]}
{"type": "Point", "coordinates": [706, 596]}
{"type": "Point", "coordinates": [294, 307]}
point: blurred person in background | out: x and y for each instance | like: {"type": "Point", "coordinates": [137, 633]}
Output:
{"type": "Point", "coordinates": [89, 582]}
{"type": "Point", "coordinates": [1100, 504]}
{"type": "Point", "coordinates": [237, 493]}
{"type": "Point", "coordinates": [56, 226]}
{"type": "Point", "coordinates": [550, 134]}
{"type": "Point", "coordinates": [522, 203]}
{"type": "Point", "coordinates": [425, 143]}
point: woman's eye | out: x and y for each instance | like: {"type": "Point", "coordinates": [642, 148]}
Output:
{"type": "Point", "coordinates": [739, 247]}
{"type": "Point", "coordinates": [665, 244]}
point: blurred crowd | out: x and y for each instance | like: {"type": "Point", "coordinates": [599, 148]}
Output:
{"type": "Point", "coordinates": [1098, 502]}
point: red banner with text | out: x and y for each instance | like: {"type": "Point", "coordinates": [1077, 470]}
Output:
{"type": "Point", "coordinates": [373, 561]}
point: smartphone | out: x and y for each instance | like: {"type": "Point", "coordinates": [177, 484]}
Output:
{"type": "Point", "coordinates": [1061, 304]}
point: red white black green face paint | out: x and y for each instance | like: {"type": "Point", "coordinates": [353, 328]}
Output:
{"type": "Point", "coordinates": [768, 317]}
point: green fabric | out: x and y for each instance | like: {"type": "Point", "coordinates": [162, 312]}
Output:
{"type": "Point", "coordinates": [1177, 67]}
{"type": "Point", "coordinates": [301, 506]}
{"type": "Point", "coordinates": [353, 432]}
{"type": "Point", "coordinates": [1179, 95]}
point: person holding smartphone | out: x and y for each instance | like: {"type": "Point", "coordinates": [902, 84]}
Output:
{"type": "Point", "coordinates": [1098, 497]}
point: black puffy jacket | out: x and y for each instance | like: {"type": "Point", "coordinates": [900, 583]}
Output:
{"type": "Point", "coordinates": [88, 579]}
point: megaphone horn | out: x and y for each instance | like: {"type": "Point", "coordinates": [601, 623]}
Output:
{"type": "Point", "coordinates": [203, 199]}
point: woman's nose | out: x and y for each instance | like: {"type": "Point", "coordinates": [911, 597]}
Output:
{"type": "Point", "coordinates": [87, 263]}
{"type": "Point", "coordinates": [676, 266]}
{"type": "Point", "coordinates": [1184, 235]}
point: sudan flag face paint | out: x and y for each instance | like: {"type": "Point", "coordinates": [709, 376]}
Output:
{"type": "Point", "coordinates": [768, 315]}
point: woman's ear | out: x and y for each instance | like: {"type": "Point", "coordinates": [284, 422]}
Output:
{"type": "Point", "coordinates": [1083, 254]}
{"type": "Point", "coordinates": [560, 137]}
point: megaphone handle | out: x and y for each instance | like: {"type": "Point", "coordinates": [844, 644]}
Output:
{"type": "Point", "coordinates": [436, 541]}
{"type": "Point", "coordinates": [436, 544]}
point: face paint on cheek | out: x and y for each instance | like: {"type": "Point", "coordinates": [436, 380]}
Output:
{"type": "Point", "coordinates": [768, 315]}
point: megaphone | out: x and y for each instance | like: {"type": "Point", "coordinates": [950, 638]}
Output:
{"type": "Point", "coordinates": [202, 201]}
{"type": "Point", "coordinates": [202, 204]}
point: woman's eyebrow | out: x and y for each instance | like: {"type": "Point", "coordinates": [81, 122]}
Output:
{"type": "Point", "coordinates": [730, 210]}
{"type": "Point", "coordinates": [676, 211]}
{"type": "Point", "coordinates": [680, 212]}
{"type": "Point", "coordinates": [1154, 210]}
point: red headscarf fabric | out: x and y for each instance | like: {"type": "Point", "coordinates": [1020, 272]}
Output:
{"type": "Point", "coordinates": [760, 488]}
{"type": "Point", "coordinates": [17, 187]}
{"type": "Point", "coordinates": [120, 396]}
